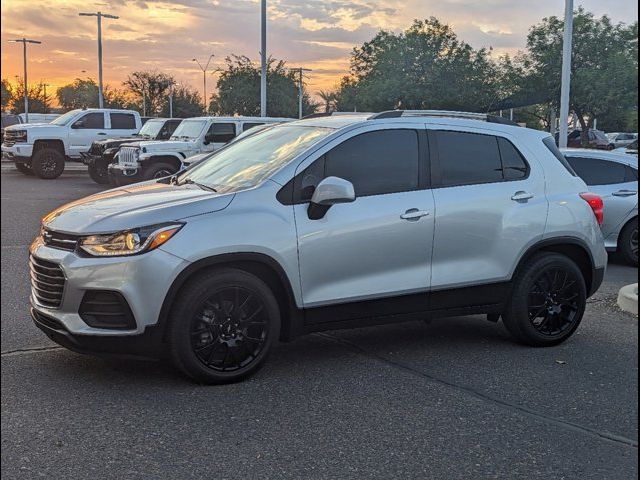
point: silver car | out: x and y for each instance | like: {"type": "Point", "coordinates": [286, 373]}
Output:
{"type": "Point", "coordinates": [614, 177]}
{"type": "Point", "coordinates": [325, 223]}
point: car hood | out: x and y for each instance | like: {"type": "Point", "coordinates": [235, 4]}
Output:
{"type": "Point", "coordinates": [35, 127]}
{"type": "Point", "coordinates": [167, 146]}
{"type": "Point", "coordinates": [133, 206]}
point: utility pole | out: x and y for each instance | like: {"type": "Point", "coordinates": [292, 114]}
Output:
{"type": "Point", "coordinates": [204, 81]}
{"type": "Point", "coordinates": [300, 71]}
{"type": "Point", "coordinates": [24, 42]}
{"type": "Point", "coordinates": [566, 74]}
{"type": "Point", "coordinates": [263, 55]}
{"type": "Point", "coordinates": [99, 15]}
{"type": "Point", "coordinates": [44, 86]}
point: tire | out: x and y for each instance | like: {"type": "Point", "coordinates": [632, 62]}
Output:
{"type": "Point", "coordinates": [222, 326]}
{"type": "Point", "coordinates": [157, 170]}
{"type": "Point", "coordinates": [548, 301]}
{"type": "Point", "coordinates": [99, 173]}
{"type": "Point", "coordinates": [628, 243]}
{"type": "Point", "coordinates": [24, 168]}
{"type": "Point", "coordinates": [47, 163]}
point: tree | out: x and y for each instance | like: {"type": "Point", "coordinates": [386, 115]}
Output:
{"type": "Point", "coordinates": [150, 87]}
{"type": "Point", "coordinates": [604, 66]}
{"type": "Point", "coordinates": [38, 103]}
{"type": "Point", "coordinates": [239, 90]}
{"type": "Point", "coordinates": [329, 100]}
{"type": "Point", "coordinates": [426, 66]}
{"type": "Point", "coordinates": [6, 94]}
{"type": "Point", "coordinates": [78, 94]}
{"type": "Point", "coordinates": [186, 103]}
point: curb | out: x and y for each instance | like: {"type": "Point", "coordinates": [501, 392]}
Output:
{"type": "Point", "coordinates": [628, 298]}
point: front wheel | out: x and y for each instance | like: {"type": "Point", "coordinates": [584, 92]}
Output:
{"type": "Point", "coordinates": [222, 326]}
{"type": "Point", "coordinates": [548, 301]}
{"type": "Point", "coordinates": [157, 170]}
{"type": "Point", "coordinates": [99, 173]}
{"type": "Point", "coordinates": [47, 163]}
{"type": "Point", "coordinates": [628, 243]}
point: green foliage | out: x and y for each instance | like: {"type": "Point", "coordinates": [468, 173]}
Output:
{"type": "Point", "coordinates": [239, 90]}
{"type": "Point", "coordinates": [78, 94]}
{"type": "Point", "coordinates": [6, 94]}
{"type": "Point", "coordinates": [150, 88]}
{"type": "Point", "coordinates": [38, 102]}
{"type": "Point", "coordinates": [186, 103]}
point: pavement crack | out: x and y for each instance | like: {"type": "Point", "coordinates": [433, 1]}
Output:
{"type": "Point", "coordinates": [603, 435]}
{"type": "Point", "coordinates": [28, 351]}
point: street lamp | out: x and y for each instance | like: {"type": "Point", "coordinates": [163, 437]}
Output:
{"type": "Point", "coordinates": [566, 74]}
{"type": "Point", "coordinates": [24, 42]}
{"type": "Point", "coordinates": [99, 15]}
{"type": "Point", "coordinates": [44, 86]}
{"type": "Point", "coordinates": [263, 57]}
{"type": "Point", "coordinates": [300, 71]}
{"type": "Point", "coordinates": [204, 80]}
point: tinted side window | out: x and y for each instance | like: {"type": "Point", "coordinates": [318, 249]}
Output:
{"type": "Point", "coordinates": [380, 162]}
{"type": "Point", "coordinates": [124, 121]}
{"type": "Point", "coordinates": [247, 126]}
{"type": "Point", "coordinates": [222, 132]}
{"type": "Point", "coordinates": [598, 172]}
{"type": "Point", "coordinates": [514, 165]}
{"type": "Point", "coordinates": [468, 158]}
{"type": "Point", "coordinates": [92, 120]}
{"type": "Point", "coordinates": [553, 148]}
{"type": "Point", "coordinates": [631, 174]}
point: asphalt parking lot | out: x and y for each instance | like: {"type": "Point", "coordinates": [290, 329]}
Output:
{"type": "Point", "coordinates": [451, 399]}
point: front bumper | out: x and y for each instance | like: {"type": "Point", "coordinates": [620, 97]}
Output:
{"type": "Point", "coordinates": [17, 152]}
{"type": "Point", "coordinates": [143, 280]}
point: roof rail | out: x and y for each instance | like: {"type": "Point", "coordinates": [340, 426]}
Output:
{"type": "Point", "coordinates": [334, 114]}
{"type": "Point", "coordinates": [442, 114]}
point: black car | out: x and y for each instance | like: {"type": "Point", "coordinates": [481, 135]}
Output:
{"type": "Point", "coordinates": [101, 153]}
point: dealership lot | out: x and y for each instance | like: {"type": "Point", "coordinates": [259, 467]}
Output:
{"type": "Point", "coordinates": [454, 398]}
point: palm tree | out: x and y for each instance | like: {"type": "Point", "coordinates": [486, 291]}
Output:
{"type": "Point", "coordinates": [329, 99]}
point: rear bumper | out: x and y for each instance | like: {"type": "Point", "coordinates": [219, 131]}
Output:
{"type": "Point", "coordinates": [147, 344]}
{"type": "Point", "coordinates": [596, 280]}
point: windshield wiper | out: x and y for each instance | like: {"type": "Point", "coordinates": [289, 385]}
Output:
{"type": "Point", "coordinates": [188, 181]}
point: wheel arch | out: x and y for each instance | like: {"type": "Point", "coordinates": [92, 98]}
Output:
{"type": "Point", "coordinates": [173, 159]}
{"type": "Point", "coordinates": [56, 144]}
{"type": "Point", "coordinates": [263, 266]}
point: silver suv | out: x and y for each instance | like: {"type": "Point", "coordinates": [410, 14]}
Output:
{"type": "Point", "coordinates": [325, 223]}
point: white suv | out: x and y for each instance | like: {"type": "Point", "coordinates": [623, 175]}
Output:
{"type": "Point", "coordinates": [321, 224]}
{"type": "Point", "coordinates": [42, 148]}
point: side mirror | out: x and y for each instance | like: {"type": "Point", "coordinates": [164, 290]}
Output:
{"type": "Point", "coordinates": [330, 191]}
{"type": "Point", "coordinates": [78, 124]}
{"type": "Point", "coordinates": [208, 138]}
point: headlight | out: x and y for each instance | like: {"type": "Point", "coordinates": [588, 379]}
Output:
{"type": "Point", "coordinates": [129, 242]}
{"type": "Point", "coordinates": [17, 135]}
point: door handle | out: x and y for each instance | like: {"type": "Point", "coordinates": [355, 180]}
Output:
{"type": "Point", "coordinates": [101, 133]}
{"type": "Point", "coordinates": [521, 196]}
{"type": "Point", "coordinates": [413, 214]}
{"type": "Point", "coordinates": [624, 193]}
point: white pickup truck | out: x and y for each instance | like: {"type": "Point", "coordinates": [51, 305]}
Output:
{"type": "Point", "coordinates": [145, 160]}
{"type": "Point", "coordinates": [43, 148]}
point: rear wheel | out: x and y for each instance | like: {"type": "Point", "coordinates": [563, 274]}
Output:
{"type": "Point", "coordinates": [548, 301]}
{"type": "Point", "coordinates": [628, 243]}
{"type": "Point", "coordinates": [222, 326]}
{"type": "Point", "coordinates": [48, 163]}
{"type": "Point", "coordinates": [24, 168]}
{"type": "Point", "coordinates": [158, 170]}
{"type": "Point", "coordinates": [99, 173]}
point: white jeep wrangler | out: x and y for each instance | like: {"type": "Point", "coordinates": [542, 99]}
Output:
{"type": "Point", "coordinates": [43, 148]}
{"type": "Point", "coordinates": [156, 159]}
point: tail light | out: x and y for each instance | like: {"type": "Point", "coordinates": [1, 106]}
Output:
{"type": "Point", "coordinates": [596, 204]}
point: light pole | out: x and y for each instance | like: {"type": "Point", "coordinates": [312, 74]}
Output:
{"type": "Point", "coordinates": [204, 81]}
{"type": "Point", "coordinates": [263, 58]}
{"type": "Point", "coordinates": [566, 74]}
{"type": "Point", "coordinates": [99, 15]}
{"type": "Point", "coordinates": [24, 42]}
{"type": "Point", "coordinates": [44, 86]}
{"type": "Point", "coordinates": [300, 71]}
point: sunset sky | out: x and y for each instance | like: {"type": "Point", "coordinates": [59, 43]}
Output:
{"type": "Point", "coordinates": [166, 35]}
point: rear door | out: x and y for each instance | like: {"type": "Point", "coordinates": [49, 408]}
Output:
{"type": "Point", "coordinates": [219, 134]}
{"type": "Point", "coordinates": [122, 124]}
{"type": "Point", "coordinates": [490, 206]}
{"type": "Point", "coordinates": [89, 127]}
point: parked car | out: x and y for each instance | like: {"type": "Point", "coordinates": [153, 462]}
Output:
{"type": "Point", "coordinates": [595, 139]}
{"type": "Point", "coordinates": [8, 119]}
{"type": "Point", "coordinates": [619, 140]}
{"type": "Point", "coordinates": [151, 159]}
{"type": "Point", "coordinates": [321, 224]}
{"type": "Point", "coordinates": [614, 177]}
{"type": "Point", "coordinates": [631, 149]}
{"type": "Point", "coordinates": [102, 152]}
{"type": "Point", "coordinates": [42, 149]}
{"type": "Point", "coordinates": [39, 117]}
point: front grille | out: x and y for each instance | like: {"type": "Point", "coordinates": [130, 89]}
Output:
{"type": "Point", "coordinates": [106, 309]}
{"type": "Point", "coordinates": [97, 148]}
{"type": "Point", "coordinates": [63, 241]}
{"type": "Point", "coordinates": [128, 157]}
{"type": "Point", "coordinates": [47, 282]}
{"type": "Point", "coordinates": [11, 138]}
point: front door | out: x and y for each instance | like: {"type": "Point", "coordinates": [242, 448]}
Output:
{"type": "Point", "coordinates": [84, 131]}
{"type": "Point", "coordinates": [378, 246]}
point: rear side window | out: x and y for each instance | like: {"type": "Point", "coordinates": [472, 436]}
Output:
{"type": "Point", "coordinates": [223, 132]}
{"type": "Point", "coordinates": [550, 143]}
{"type": "Point", "coordinates": [598, 172]}
{"type": "Point", "coordinates": [385, 161]}
{"type": "Point", "coordinates": [631, 175]}
{"type": "Point", "coordinates": [92, 120]}
{"type": "Point", "coordinates": [468, 158]}
{"type": "Point", "coordinates": [514, 165]}
{"type": "Point", "coordinates": [248, 126]}
{"type": "Point", "coordinates": [123, 121]}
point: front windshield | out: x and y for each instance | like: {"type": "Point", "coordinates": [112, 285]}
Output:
{"type": "Point", "coordinates": [66, 118]}
{"type": "Point", "coordinates": [633, 145]}
{"type": "Point", "coordinates": [151, 128]}
{"type": "Point", "coordinates": [189, 129]}
{"type": "Point", "coordinates": [246, 163]}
